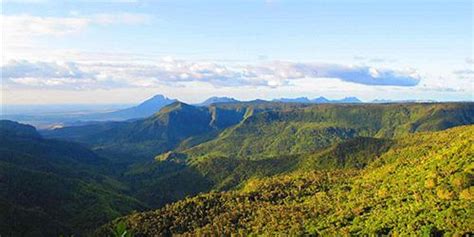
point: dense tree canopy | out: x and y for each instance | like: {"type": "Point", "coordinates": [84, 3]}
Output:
{"type": "Point", "coordinates": [245, 168]}
{"type": "Point", "coordinates": [422, 185]}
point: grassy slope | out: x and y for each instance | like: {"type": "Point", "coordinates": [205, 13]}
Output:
{"type": "Point", "coordinates": [423, 184]}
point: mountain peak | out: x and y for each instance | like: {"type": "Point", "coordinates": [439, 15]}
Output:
{"type": "Point", "coordinates": [215, 100]}
{"type": "Point", "coordinates": [157, 99]}
{"type": "Point", "coordinates": [320, 99]}
{"type": "Point", "coordinates": [350, 100]}
{"type": "Point", "coordinates": [144, 109]}
{"type": "Point", "coordinates": [293, 100]}
{"type": "Point", "coordinates": [177, 105]}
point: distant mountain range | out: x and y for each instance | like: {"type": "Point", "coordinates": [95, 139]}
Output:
{"type": "Point", "coordinates": [382, 101]}
{"type": "Point", "coordinates": [154, 105]}
{"type": "Point", "coordinates": [319, 100]}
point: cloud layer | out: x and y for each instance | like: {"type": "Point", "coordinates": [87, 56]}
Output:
{"type": "Point", "coordinates": [74, 75]}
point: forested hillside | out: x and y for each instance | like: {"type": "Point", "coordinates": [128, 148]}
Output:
{"type": "Point", "coordinates": [256, 167]}
{"type": "Point", "coordinates": [301, 130]}
{"type": "Point", "coordinates": [422, 185]}
{"type": "Point", "coordinates": [275, 139]}
{"type": "Point", "coordinates": [50, 187]}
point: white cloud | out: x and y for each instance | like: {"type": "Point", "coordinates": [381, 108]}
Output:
{"type": "Point", "coordinates": [15, 25]}
{"type": "Point", "coordinates": [170, 72]}
{"type": "Point", "coordinates": [470, 60]}
{"type": "Point", "coordinates": [464, 72]}
{"type": "Point", "coordinates": [22, 31]}
{"type": "Point", "coordinates": [26, 27]}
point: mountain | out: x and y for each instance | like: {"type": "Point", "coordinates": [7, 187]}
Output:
{"type": "Point", "coordinates": [421, 185]}
{"type": "Point", "coordinates": [347, 100]}
{"type": "Point", "coordinates": [319, 100]}
{"type": "Point", "coordinates": [304, 129]}
{"type": "Point", "coordinates": [17, 130]}
{"type": "Point", "coordinates": [268, 139]}
{"type": "Point", "coordinates": [215, 100]}
{"type": "Point", "coordinates": [402, 101]}
{"type": "Point", "coordinates": [260, 130]}
{"type": "Point", "coordinates": [145, 109]}
{"type": "Point", "coordinates": [165, 130]}
{"type": "Point", "coordinates": [98, 171]}
{"type": "Point", "coordinates": [73, 115]}
{"type": "Point", "coordinates": [51, 187]}
{"type": "Point", "coordinates": [293, 100]}
{"type": "Point", "coordinates": [381, 101]}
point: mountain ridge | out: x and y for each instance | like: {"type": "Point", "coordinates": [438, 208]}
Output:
{"type": "Point", "coordinates": [318, 100]}
{"type": "Point", "coordinates": [215, 100]}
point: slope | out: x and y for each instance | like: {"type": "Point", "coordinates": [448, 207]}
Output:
{"type": "Point", "coordinates": [422, 185]}
{"type": "Point", "coordinates": [306, 129]}
{"type": "Point", "coordinates": [50, 187]}
{"type": "Point", "coordinates": [276, 140]}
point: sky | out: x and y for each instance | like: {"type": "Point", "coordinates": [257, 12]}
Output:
{"type": "Point", "coordinates": [124, 51]}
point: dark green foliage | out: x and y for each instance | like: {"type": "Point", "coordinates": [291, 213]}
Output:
{"type": "Point", "coordinates": [14, 129]}
{"type": "Point", "coordinates": [165, 182]}
{"type": "Point", "coordinates": [50, 187]}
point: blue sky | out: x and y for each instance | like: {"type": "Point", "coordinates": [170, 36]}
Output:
{"type": "Point", "coordinates": [124, 51]}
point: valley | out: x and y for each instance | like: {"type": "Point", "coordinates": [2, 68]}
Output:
{"type": "Point", "coordinates": [248, 167]}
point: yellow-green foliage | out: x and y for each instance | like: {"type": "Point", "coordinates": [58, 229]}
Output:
{"type": "Point", "coordinates": [423, 185]}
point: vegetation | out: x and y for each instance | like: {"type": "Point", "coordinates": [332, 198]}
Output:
{"type": "Point", "coordinates": [249, 168]}
{"type": "Point", "coordinates": [50, 187]}
{"type": "Point", "coordinates": [422, 185]}
{"type": "Point", "coordinates": [306, 129]}
{"type": "Point", "coordinates": [276, 138]}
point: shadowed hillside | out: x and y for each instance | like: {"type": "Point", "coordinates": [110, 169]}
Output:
{"type": "Point", "coordinates": [50, 187]}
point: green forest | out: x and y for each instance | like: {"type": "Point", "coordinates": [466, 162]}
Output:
{"type": "Point", "coordinates": [245, 169]}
